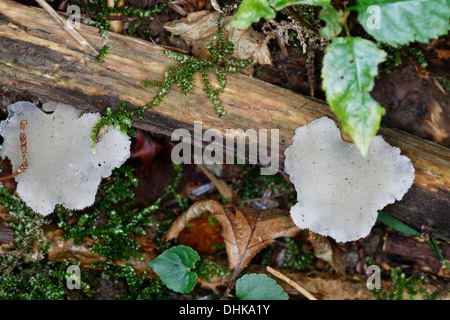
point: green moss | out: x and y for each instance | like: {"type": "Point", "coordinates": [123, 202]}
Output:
{"type": "Point", "coordinates": [115, 216]}
{"type": "Point", "coordinates": [39, 280]}
{"type": "Point", "coordinates": [171, 190]}
{"type": "Point", "coordinates": [396, 57]}
{"type": "Point", "coordinates": [207, 269]}
{"type": "Point", "coordinates": [102, 53]}
{"type": "Point", "coordinates": [25, 274]}
{"type": "Point", "coordinates": [121, 120]}
{"type": "Point", "coordinates": [139, 287]}
{"type": "Point", "coordinates": [393, 59]}
{"type": "Point", "coordinates": [296, 257]}
{"type": "Point", "coordinates": [29, 239]}
{"type": "Point", "coordinates": [295, 43]}
{"type": "Point", "coordinates": [417, 54]}
{"type": "Point", "coordinates": [33, 281]}
{"type": "Point", "coordinates": [183, 75]}
{"type": "Point", "coordinates": [113, 219]}
{"type": "Point", "coordinates": [401, 284]}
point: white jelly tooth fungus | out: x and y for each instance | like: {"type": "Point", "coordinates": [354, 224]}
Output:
{"type": "Point", "coordinates": [339, 192]}
{"type": "Point", "coordinates": [61, 166]}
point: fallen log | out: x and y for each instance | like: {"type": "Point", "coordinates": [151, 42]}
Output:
{"type": "Point", "coordinates": [39, 58]}
{"type": "Point", "coordinates": [417, 251]}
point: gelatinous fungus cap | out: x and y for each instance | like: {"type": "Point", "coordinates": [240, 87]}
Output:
{"type": "Point", "coordinates": [62, 168]}
{"type": "Point", "coordinates": [339, 192]}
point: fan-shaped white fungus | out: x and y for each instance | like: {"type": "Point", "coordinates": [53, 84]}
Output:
{"type": "Point", "coordinates": [61, 166]}
{"type": "Point", "coordinates": [339, 191]}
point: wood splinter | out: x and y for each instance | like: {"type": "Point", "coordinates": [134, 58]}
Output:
{"type": "Point", "coordinates": [292, 283]}
{"type": "Point", "coordinates": [23, 149]}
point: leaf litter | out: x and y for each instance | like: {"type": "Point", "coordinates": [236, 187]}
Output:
{"type": "Point", "coordinates": [244, 231]}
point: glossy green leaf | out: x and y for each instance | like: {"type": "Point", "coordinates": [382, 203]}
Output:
{"type": "Point", "coordinates": [348, 72]}
{"type": "Point", "coordinates": [399, 22]}
{"type": "Point", "coordinates": [251, 11]}
{"type": "Point", "coordinates": [332, 18]}
{"type": "Point", "coordinates": [259, 287]}
{"type": "Point", "coordinates": [174, 266]}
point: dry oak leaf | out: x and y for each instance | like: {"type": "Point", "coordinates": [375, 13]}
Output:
{"type": "Point", "coordinates": [202, 235]}
{"type": "Point", "coordinates": [324, 250]}
{"type": "Point", "coordinates": [245, 232]}
{"type": "Point", "coordinates": [198, 30]}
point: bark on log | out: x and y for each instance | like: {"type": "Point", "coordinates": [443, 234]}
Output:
{"type": "Point", "coordinates": [38, 57]}
{"type": "Point", "coordinates": [417, 251]}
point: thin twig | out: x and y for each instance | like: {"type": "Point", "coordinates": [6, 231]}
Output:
{"type": "Point", "coordinates": [292, 283]}
{"type": "Point", "coordinates": [281, 194]}
{"type": "Point", "coordinates": [221, 186]}
{"type": "Point", "coordinates": [67, 26]}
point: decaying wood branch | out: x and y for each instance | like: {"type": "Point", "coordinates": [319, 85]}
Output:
{"type": "Point", "coordinates": [417, 251]}
{"type": "Point", "coordinates": [39, 58]}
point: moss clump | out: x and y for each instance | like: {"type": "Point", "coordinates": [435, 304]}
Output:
{"type": "Point", "coordinates": [221, 63]}
{"type": "Point", "coordinates": [296, 257]}
{"type": "Point", "coordinates": [138, 286]}
{"type": "Point", "coordinates": [207, 269]}
{"type": "Point", "coordinates": [113, 219]}
{"type": "Point", "coordinates": [37, 280]}
{"type": "Point", "coordinates": [396, 57]}
{"type": "Point", "coordinates": [29, 240]}
{"type": "Point", "coordinates": [25, 274]}
{"type": "Point", "coordinates": [183, 76]}
{"type": "Point", "coordinates": [111, 224]}
{"type": "Point", "coordinates": [401, 284]}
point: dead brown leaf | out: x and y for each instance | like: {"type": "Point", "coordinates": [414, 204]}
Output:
{"type": "Point", "coordinates": [324, 250]}
{"type": "Point", "coordinates": [245, 233]}
{"type": "Point", "coordinates": [195, 211]}
{"type": "Point", "coordinates": [198, 29]}
{"type": "Point", "coordinates": [203, 235]}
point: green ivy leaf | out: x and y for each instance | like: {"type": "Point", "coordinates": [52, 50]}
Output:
{"type": "Point", "coordinates": [259, 287]}
{"type": "Point", "coordinates": [332, 19]}
{"type": "Point", "coordinates": [252, 10]}
{"type": "Point", "coordinates": [173, 267]}
{"type": "Point", "coordinates": [348, 72]}
{"type": "Point", "coordinates": [403, 21]}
